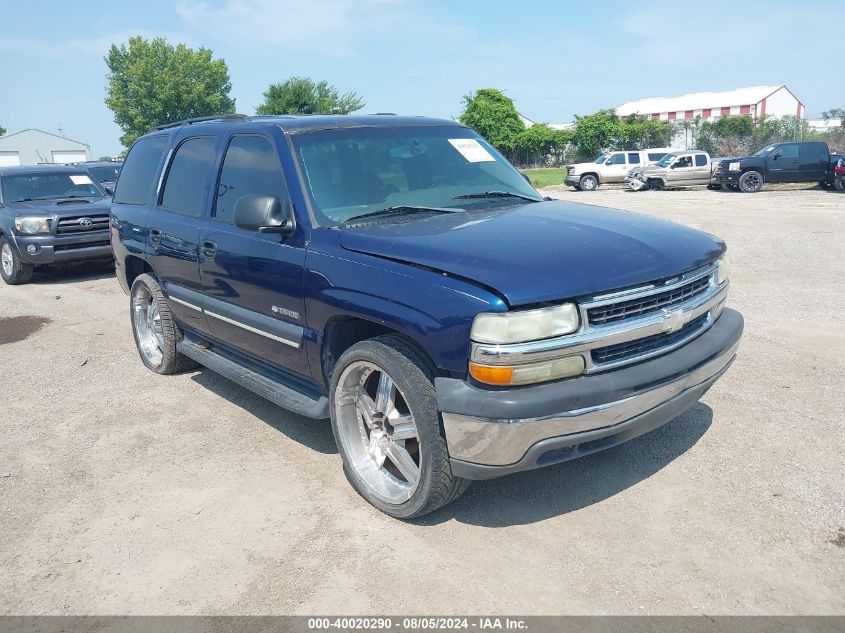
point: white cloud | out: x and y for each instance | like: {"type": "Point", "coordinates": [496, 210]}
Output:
{"type": "Point", "coordinates": [93, 46]}
{"type": "Point", "coordinates": [332, 27]}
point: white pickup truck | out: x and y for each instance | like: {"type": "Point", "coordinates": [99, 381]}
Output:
{"type": "Point", "coordinates": [682, 168]}
{"type": "Point", "coordinates": [611, 167]}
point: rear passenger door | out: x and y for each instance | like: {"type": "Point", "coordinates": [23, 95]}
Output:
{"type": "Point", "coordinates": [253, 282]}
{"type": "Point", "coordinates": [174, 227]}
{"type": "Point", "coordinates": [814, 161]}
{"type": "Point", "coordinates": [702, 169]}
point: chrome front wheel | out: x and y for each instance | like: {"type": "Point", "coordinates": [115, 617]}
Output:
{"type": "Point", "coordinates": [8, 260]}
{"type": "Point", "coordinates": [378, 432]}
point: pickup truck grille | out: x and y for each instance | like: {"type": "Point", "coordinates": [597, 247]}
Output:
{"type": "Point", "coordinates": [632, 349]}
{"type": "Point", "coordinates": [643, 305]}
{"type": "Point", "coordinates": [78, 224]}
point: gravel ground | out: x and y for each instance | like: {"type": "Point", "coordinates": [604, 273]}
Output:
{"type": "Point", "coordinates": [125, 492]}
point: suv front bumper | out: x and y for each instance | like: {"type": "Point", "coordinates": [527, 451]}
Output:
{"type": "Point", "coordinates": [491, 433]}
{"type": "Point", "coordinates": [56, 249]}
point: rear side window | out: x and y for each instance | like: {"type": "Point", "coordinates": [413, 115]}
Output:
{"type": "Point", "coordinates": [633, 158]}
{"type": "Point", "coordinates": [656, 156]}
{"type": "Point", "coordinates": [700, 160]}
{"type": "Point", "coordinates": [139, 169]}
{"type": "Point", "coordinates": [251, 167]}
{"type": "Point", "coordinates": [184, 190]}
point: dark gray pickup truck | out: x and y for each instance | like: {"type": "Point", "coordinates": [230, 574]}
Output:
{"type": "Point", "coordinates": [780, 162]}
{"type": "Point", "coordinates": [50, 214]}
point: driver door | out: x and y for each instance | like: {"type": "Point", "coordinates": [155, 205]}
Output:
{"type": "Point", "coordinates": [253, 282]}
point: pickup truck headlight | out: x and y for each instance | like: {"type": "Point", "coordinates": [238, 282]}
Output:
{"type": "Point", "coordinates": [32, 225]}
{"type": "Point", "coordinates": [525, 325]}
{"type": "Point", "coordinates": [735, 166]}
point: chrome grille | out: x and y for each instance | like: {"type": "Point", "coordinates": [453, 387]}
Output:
{"type": "Point", "coordinates": [648, 344]}
{"type": "Point", "coordinates": [643, 305]}
{"type": "Point", "coordinates": [80, 224]}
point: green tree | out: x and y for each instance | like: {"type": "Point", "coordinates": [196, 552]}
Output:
{"type": "Point", "coordinates": [493, 115]}
{"type": "Point", "coordinates": [151, 82]}
{"type": "Point", "coordinates": [2, 130]}
{"type": "Point", "coordinates": [834, 113]}
{"type": "Point", "coordinates": [595, 133]}
{"type": "Point", "coordinates": [541, 145]}
{"type": "Point", "coordinates": [301, 95]}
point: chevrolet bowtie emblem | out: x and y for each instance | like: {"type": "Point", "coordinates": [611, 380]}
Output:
{"type": "Point", "coordinates": [674, 320]}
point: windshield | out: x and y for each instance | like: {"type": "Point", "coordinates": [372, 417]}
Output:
{"type": "Point", "coordinates": [49, 187]}
{"type": "Point", "coordinates": [766, 151]}
{"type": "Point", "coordinates": [357, 171]}
{"type": "Point", "coordinates": [106, 173]}
{"type": "Point", "coordinates": [602, 158]}
{"type": "Point", "coordinates": [666, 160]}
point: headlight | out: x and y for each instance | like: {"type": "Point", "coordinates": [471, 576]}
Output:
{"type": "Point", "coordinates": [737, 166]}
{"type": "Point", "coordinates": [526, 325]}
{"type": "Point", "coordinates": [32, 225]}
{"type": "Point", "coordinates": [723, 272]}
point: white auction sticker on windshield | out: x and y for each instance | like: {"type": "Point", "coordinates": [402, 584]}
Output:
{"type": "Point", "coordinates": [471, 149]}
{"type": "Point", "coordinates": [80, 180]}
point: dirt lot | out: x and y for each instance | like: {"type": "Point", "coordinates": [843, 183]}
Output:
{"type": "Point", "coordinates": [125, 492]}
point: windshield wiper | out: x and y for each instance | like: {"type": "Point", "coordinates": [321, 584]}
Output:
{"type": "Point", "coordinates": [495, 194]}
{"type": "Point", "coordinates": [402, 208]}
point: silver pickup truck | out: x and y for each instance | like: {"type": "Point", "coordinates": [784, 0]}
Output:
{"type": "Point", "coordinates": [684, 168]}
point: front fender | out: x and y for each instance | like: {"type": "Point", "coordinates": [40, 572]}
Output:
{"type": "Point", "coordinates": [433, 310]}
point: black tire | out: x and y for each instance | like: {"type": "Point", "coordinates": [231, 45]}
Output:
{"type": "Point", "coordinates": [751, 182]}
{"type": "Point", "coordinates": [172, 362]}
{"type": "Point", "coordinates": [655, 184]}
{"type": "Point", "coordinates": [20, 272]}
{"type": "Point", "coordinates": [588, 182]}
{"type": "Point", "coordinates": [714, 187]}
{"type": "Point", "coordinates": [576, 187]}
{"type": "Point", "coordinates": [414, 378]}
{"type": "Point", "coordinates": [840, 185]}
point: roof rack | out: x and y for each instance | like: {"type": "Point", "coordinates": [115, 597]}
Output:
{"type": "Point", "coordinates": [202, 119]}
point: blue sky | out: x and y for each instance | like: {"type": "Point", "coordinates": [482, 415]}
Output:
{"type": "Point", "coordinates": [553, 58]}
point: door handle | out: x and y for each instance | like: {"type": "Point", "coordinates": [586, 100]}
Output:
{"type": "Point", "coordinates": [209, 249]}
{"type": "Point", "coordinates": [155, 236]}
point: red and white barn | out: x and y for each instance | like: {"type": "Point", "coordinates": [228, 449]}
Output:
{"type": "Point", "coordinates": [756, 101]}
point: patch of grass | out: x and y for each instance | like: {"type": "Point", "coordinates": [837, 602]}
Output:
{"type": "Point", "coordinates": [545, 176]}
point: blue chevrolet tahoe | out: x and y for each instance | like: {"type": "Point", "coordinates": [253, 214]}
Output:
{"type": "Point", "coordinates": [398, 276]}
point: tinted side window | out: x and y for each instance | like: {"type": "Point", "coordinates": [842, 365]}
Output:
{"type": "Point", "coordinates": [184, 190]}
{"type": "Point", "coordinates": [617, 159]}
{"type": "Point", "coordinates": [251, 167]}
{"type": "Point", "coordinates": [136, 177]}
{"type": "Point", "coordinates": [700, 160]}
{"type": "Point", "coordinates": [633, 158]}
{"type": "Point", "coordinates": [789, 151]}
{"type": "Point", "coordinates": [656, 156]}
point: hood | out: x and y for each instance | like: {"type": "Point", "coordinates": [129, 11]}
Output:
{"type": "Point", "coordinates": [543, 251]}
{"type": "Point", "coordinates": [62, 207]}
{"type": "Point", "coordinates": [579, 166]}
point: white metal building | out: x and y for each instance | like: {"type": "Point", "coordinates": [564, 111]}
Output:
{"type": "Point", "coordinates": [32, 146]}
{"type": "Point", "coordinates": [755, 102]}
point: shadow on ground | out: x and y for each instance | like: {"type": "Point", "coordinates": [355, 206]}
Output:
{"type": "Point", "coordinates": [517, 499]}
{"type": "Point", "coordinates": [74, 272]}
{"type": "Point", "coordinates": [532, 496]}
{"type": "Point", "coordinates": [315, 434]}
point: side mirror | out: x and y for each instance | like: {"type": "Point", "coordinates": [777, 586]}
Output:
{"type": "Point", "coordinates": [608, 161]}
{"type": "Point", "coordinates": [264, 214]}
{"type": "Point", "coordinates": [527, 179]}
{"type": "Point", "coordinates": [108, 190]}
{"type": "Point", "coordinates": [776, 155]}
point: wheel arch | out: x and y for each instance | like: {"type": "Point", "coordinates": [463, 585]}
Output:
{"type": "Point", "coordinates": [342, 332]}
{"type": "Point", "coordinates": [134, 266]}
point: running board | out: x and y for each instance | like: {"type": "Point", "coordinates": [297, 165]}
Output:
{"type": "Point", "coordinates": [277, 392]}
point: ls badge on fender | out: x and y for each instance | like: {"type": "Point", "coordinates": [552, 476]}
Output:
{"type": "Point", "coordinates": [285, 312]}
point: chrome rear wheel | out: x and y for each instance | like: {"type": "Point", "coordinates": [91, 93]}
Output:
{"type": "Point", "coordinates": [7, 259]}
{"type": "Point", "coordinates": [147, 323]}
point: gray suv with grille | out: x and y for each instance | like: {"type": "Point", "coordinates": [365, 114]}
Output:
{"type": "Point", "coordinates": [50, 214]}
